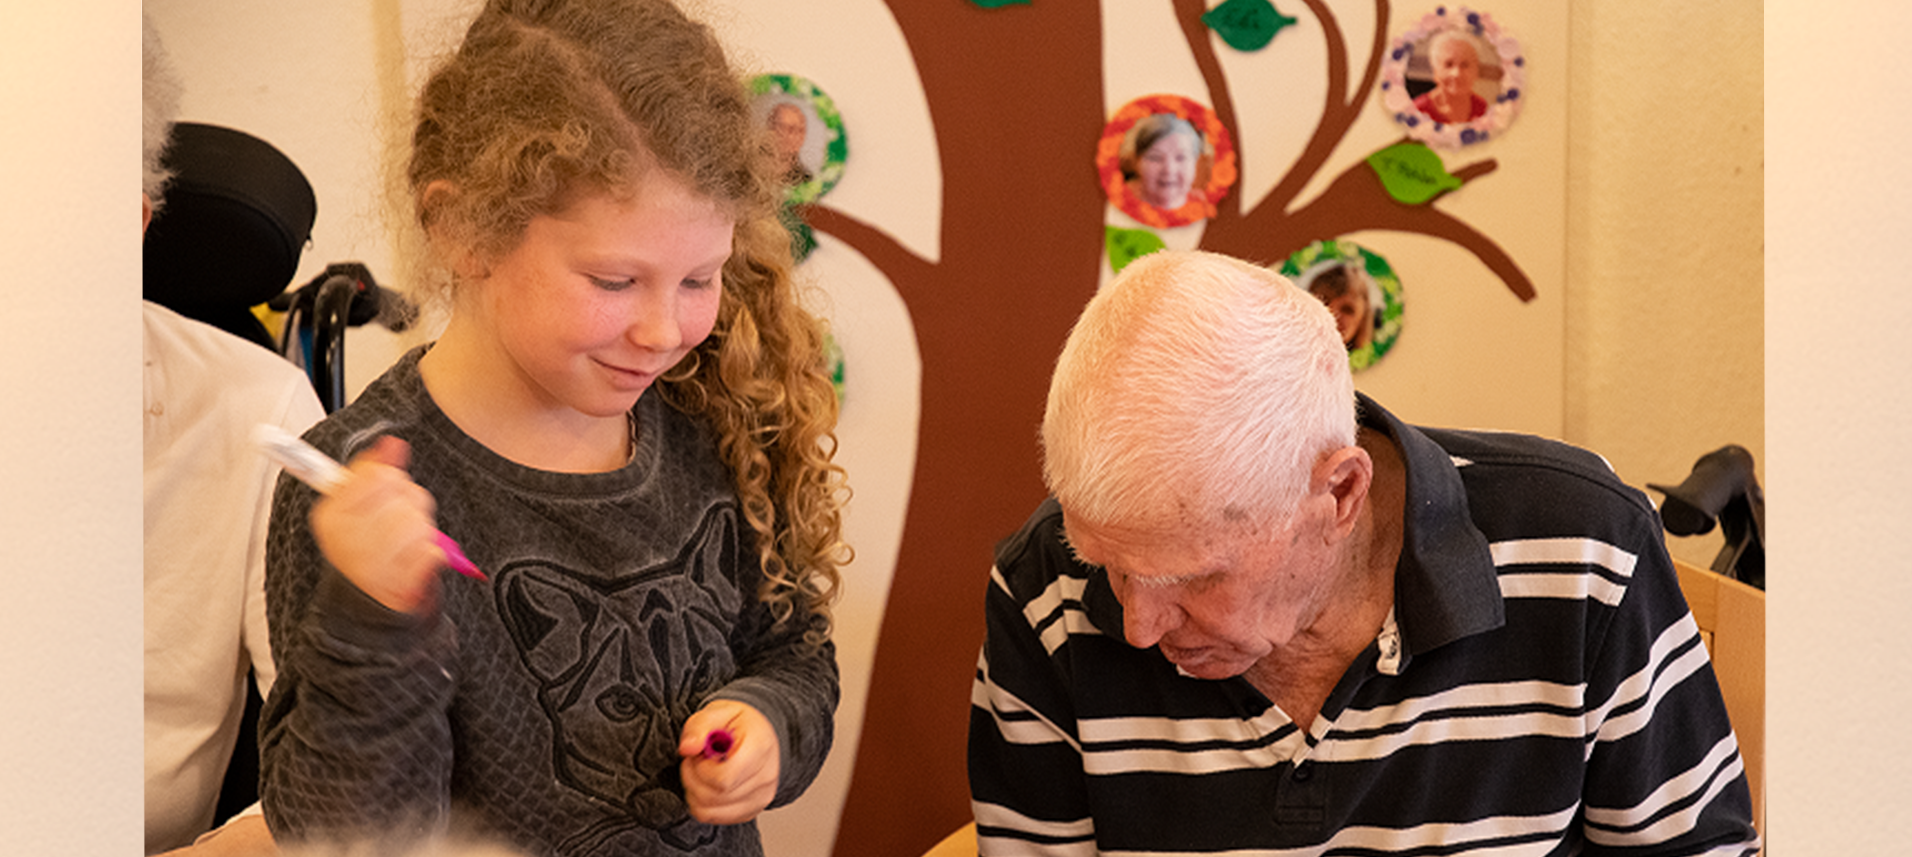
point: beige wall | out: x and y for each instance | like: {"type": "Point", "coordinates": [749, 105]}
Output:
{"type": "Point", "coordinates": [1665, 238]}
{"type": "Point", "coordinates": [69, 430]}
{"type": "Point", "coordinates": [1838, 402]}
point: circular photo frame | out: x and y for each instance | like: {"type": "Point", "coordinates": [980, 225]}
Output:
{"type": "Point", "coordinates": [1165, 160]}
{"type": "Point", "coordinates": [805, 130]}
{"type": "Point", "coordinates": [1359, 287]}
{"type": "Point", "coordinates": [1456, 79]}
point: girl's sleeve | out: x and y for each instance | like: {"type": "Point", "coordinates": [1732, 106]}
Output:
{"type": "Point", "coordinates": [354, 738]}
{"type": "Point", "coordinates": [794, 685]}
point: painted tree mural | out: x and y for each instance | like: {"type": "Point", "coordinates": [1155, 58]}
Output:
{"type": "Point", "coordinates": [1016, 97]}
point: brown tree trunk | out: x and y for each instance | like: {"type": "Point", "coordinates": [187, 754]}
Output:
{"type": "Point", "coordinates": [1016, 98]}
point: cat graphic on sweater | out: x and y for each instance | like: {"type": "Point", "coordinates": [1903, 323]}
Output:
{"type": "Point", "coordinates": [621, 662]}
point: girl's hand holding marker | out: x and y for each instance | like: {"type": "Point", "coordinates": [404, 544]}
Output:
{"type": "Point", "coordinates": [375, 524]}
{"type": "Point", "coordinates": [731, 762]}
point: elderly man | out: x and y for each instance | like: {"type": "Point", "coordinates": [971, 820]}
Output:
{"type": "Point", "coordinates": [1262, 615]}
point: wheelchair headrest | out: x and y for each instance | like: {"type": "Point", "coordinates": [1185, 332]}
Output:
{"type": "Point", "coordinates": [236, 217]}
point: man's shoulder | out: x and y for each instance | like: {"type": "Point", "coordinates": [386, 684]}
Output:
{"type": "Point", "coordinates": [184, 347]}
{"type": "Point", "coordinates": [1036, 555]}
{"type": "Point", "coordinates": [1537, 500]}
{"type": "Point", "coordinates": [1044, 523]}
{"type": "Point", "coordinates": [1542, 463]}
{"type": "Point", "coordinates": [1529, 458]}
{"type": "Point", "coordinates": [204, 385]}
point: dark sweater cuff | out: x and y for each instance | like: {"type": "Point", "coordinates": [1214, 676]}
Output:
{"type": "Point", "coordinates": [791, 768]}
{"type": "Point", "coordinates": [346, 613]}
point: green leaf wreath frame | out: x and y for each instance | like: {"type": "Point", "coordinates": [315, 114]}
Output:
{"type": "Point", "coordinates": [766, 88]}
{"type": "Point", "coordinates": [1309, 260]}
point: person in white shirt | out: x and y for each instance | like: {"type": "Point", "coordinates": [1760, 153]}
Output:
{"type": "Point", "coordinates": [207, 494]}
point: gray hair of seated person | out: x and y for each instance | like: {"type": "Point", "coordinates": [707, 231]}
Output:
{"type": "Point", "coordinates": [1196, 389]}
{"type": "Point", "coordinates": [162, 90]}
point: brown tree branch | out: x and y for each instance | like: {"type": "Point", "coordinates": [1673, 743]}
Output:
{"type": "Point", "coordinates": [1469, 173]}
{"type": "Point", "coordinates": [1376, 50]}
{"type": "Point", "coordinates": [1338, 112]}
{"type": "Point", "coordinates": [897, 263]}
{"type": "Point", "coordinates": [1357, 200]}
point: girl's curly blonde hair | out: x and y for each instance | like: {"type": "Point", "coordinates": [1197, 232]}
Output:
{"type": "Point", "coordinates": [548, 101]}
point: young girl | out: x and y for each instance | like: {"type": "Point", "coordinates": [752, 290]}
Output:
{"type": "Point", "coordinates": [627, 426]}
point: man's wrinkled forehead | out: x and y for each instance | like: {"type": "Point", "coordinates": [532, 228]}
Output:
{"type": "Point", "coordinates": [1154, 553]}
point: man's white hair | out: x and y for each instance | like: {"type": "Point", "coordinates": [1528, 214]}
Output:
{"type": "Point", "coordinates": [162, 89]}
{"type": "Point", "coordinates": [1195, 389]}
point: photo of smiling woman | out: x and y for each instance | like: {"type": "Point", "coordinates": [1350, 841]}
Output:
{"type": "Point", "coordinates": [1165, 161]}
{"type": "Point", "coordinates": [1454, 78]}
{"type": "Point", "coordinates": [1455, 59]}
{"type": "Point", "coordinates": [1165, 152]}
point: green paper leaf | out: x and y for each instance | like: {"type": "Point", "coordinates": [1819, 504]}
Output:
{"type": "Point", "coordinates": [1246, 25]}
{"type": "Point", "coordinates": [998, 4]}
{"type": "Point", "coordinates": [1412, 173]}
{"type": "Point", "coordinates": [1127, 245]}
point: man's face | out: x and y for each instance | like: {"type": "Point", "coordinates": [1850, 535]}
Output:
{"type": "Point", "coordinates": [1214, 603]}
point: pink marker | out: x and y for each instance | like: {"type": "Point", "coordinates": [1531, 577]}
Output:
{"type": "Point", "coordinates": [318, 470]}
{"type": "Point", "coordinates": [717, 744]}
{"type": "Point", "coordinates": [455, 557]}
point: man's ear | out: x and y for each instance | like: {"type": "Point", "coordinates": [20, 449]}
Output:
{"type": "Point", "coordinates": [1344, 476]}
{"type": "Point", "coordinates": [145, 212]}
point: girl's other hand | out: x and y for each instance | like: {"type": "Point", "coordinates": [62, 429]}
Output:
{"type": "Point", "coordinates": [378, 529]}
{"type": "Point", "coordinates": [735, 787]}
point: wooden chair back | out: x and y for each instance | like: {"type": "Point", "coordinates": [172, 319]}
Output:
{"type": "Point", "coordinates": [1732, 620]}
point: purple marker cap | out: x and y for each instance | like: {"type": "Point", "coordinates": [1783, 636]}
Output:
{"type": "Point", "coordinates": [717, 744]}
